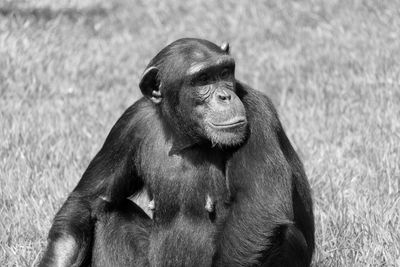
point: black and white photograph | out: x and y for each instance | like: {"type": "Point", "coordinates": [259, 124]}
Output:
{"type": "Point", "coordinates": [196, 133]}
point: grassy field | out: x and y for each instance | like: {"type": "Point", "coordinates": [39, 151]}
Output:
{"type": "Point", "coordinates": [68, 69]}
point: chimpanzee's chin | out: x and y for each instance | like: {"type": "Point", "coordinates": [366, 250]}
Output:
{"type": "Point", "coordinates": [228, 137]}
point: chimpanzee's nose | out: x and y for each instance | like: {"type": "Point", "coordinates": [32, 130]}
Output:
{"type": "Point", "coordinates": [223, 95]}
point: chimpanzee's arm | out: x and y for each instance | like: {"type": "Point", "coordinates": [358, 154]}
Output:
{"type": "Point", "coordinates": [111, 175]}
{"type": "Point", "coordinates": [271, 219]}
{"type": "Point", "coordinates": [301, 196]}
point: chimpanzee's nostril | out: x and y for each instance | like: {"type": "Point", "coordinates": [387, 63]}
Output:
{"type": "Point", "coordinates": [223, 95]}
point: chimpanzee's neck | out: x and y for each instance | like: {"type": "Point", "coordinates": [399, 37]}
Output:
{"type": "Point", "coordinates": [182, 143]}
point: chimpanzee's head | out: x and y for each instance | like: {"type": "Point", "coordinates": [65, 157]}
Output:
{"type": "Point", "coordinates": [193, 82]}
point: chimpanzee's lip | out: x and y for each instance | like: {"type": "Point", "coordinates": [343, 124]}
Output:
{"type": "Point", "coordinates": [240, 121]}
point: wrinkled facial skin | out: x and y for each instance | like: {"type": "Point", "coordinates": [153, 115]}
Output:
{"type": "Point", "coordinates": [215, 110]}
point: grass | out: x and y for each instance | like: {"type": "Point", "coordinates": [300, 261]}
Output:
{"type": "Point", "coordinates": [68, 69]}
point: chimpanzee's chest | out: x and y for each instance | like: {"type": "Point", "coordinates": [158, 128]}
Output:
{"type": "Point", "coordinates": [190, 184]}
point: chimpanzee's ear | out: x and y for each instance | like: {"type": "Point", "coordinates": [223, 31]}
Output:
{"type": "Point", "coordinates": [150, 86]}
{"type": "Point", "coordinates": [225, 47]}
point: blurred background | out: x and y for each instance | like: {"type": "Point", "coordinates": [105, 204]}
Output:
{"type": "Point", "coordinates": [69, 68]}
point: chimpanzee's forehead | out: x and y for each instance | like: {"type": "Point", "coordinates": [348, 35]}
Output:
{"type": "Point", "coordinates": [188, 56]}
{"type": "Point", "coordinates": [198, 66]}
{"type": "Point", "coordinates": [199, 57]}
{"type": "Point", "coordinates": [200, 52]}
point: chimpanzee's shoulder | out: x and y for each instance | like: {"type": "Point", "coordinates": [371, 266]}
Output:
{"type": "Point", "coordinates": [138, 120]}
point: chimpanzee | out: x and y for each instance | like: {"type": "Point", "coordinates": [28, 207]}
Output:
{"type": "Point", "coordinates": [226, 186]}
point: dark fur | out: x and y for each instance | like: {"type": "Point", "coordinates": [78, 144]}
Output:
{"type": "Point", "coordinates": [271, 219]}
{"type": "Point", "coordinates": [122, 235]}
{"type": "Point", "coordinates": [263, 210]}
{"type": "Point", "coordinates": [186, 230]}
{"type": "Point", "coordinates": [153, 147]}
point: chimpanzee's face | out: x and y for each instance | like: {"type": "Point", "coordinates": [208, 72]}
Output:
{"type": "Point", "coordinates": [209, 102]}
{"type": "Point", "coordinates": [194, 83]}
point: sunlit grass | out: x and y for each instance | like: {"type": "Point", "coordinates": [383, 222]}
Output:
{"type": "Point", "coordinates": [68, 69]}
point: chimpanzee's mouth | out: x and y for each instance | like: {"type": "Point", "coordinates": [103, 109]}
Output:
{"type": "Point", "coordinates": [235, 122]}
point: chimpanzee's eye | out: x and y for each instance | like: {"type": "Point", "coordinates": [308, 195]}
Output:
{"type": "Point", "coordinates": [203, 78]}
{"type": "Point", "coordinates": [225, 73]}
